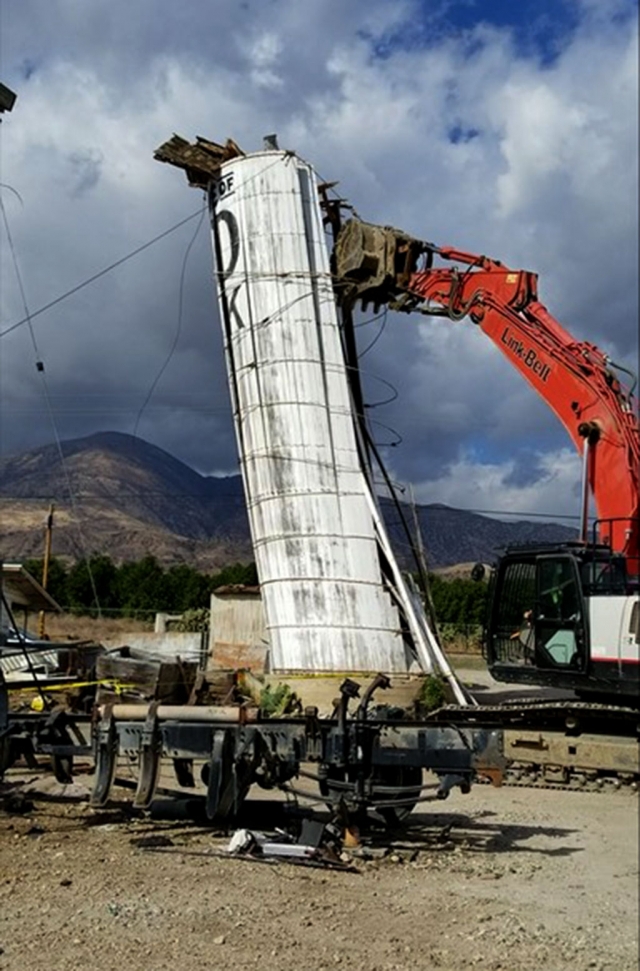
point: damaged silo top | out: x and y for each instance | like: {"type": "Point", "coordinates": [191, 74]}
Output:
{"type": "Point", "coordinates": [201, 161]}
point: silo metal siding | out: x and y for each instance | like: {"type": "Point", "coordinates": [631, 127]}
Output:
{"type": "Point", "coordinates": [314, 538]}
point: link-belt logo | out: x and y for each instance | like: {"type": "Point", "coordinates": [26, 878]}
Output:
{"type": "Point", "coordinates": [526, 354]}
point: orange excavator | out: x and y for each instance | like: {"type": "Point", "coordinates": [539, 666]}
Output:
{"type": "Point", "coordinates": [565, 615]}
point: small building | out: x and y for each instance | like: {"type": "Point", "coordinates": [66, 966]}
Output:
{"type": "Point", "coordinates": [24, 596]}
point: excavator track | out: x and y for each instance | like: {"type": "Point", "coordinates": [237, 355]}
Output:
{"type": "Point", "coordinates": [571, 715]}
{"type": "Point", "coordinates": [529, 775]}
{"type": "Point", "coordinates": [573, 745]}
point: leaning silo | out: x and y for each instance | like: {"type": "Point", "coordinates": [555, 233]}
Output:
{"type": "Point", "coordinates": [314, 532]}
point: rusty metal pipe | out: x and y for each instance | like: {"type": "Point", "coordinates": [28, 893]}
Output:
{"type": "Point", "coordinates": [191, 713]}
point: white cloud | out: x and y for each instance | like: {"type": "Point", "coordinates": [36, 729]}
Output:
{"type": "Point", "coordinates": [263, 55]}
{"type": "Point", "coordinates": [486, 486]}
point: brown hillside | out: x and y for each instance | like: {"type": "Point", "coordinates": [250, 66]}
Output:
{"type": "Point", "coordinates": [131, 498]}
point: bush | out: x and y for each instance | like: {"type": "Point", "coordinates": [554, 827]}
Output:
{"type": "Point", "coordinates": [191, 621]}
{"type": "Point", "coordinates": [433, 693]}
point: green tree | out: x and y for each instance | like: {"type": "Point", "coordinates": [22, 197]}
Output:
{"type": "Point", "coordinates": [92, 581]}
{"type": "Point", "coordinates": [142, 586]}
{"type": "Point", "coordinates": [241, 573]}
{"type": "Point", "coordinates": [56, 580]}
{"type": "Point", "coordinates": [460, 602]}
{"type": "Point", "coordinates": [185, 589]}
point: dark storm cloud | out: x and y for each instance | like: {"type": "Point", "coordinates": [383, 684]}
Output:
{"type": "Point", "coordinates": [547, 183]}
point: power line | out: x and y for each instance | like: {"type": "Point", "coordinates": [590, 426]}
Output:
{"type": "Point", "coordinates": [128, 256]}
{"type": "Point", "coordinates": [235, 497]}
{"type": "Point", "coordinates": [41, 371]}
{"type": "Point", "coordinates": [96, 276]}
{"type": "Point", "coordinates": [176, 338]}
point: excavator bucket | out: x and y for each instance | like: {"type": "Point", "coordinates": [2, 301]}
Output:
{"type": "Point", "coordinates": [372, 263]}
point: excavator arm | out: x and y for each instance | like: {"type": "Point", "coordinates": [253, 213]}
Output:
{"type": "Point", "coordinates": [380, 265]}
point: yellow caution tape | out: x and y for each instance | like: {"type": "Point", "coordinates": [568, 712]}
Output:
{"type": "Point", "coordinates": [116, 686]}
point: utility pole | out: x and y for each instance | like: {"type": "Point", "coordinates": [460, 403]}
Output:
{"type": "Point", "coordinates": [45, 565]}
{"type": "Point", "coordinates": [424, 570]}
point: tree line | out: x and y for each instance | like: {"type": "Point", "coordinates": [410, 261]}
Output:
{"type": "Point", "coordinates": [134, 588]}
{"type": "Point", "coordinates": [459, 602]}
{"type": "Point", "coordinates": [145, 586]}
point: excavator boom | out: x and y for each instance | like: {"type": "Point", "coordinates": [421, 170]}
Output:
{"type": "Point", "coordinates": [380, 265]}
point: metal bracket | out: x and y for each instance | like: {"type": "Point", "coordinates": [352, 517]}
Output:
{"type": "Point", "coordinates": [219, 772]}
{"type": "Point", "coordinates": [149, 759]}
{"type": "Point", "coordinates": [106, 754]}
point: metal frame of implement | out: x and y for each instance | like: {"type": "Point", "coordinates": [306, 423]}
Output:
{"type": "Point", "coordinates": [364, 750]}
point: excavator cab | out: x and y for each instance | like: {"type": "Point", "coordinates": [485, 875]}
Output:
{"type": "Point", "coordinates": [536, 628]}
{"type": "Point", "coordinates": [565, 616]}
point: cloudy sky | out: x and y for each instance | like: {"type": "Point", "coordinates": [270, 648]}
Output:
{"type": "Point", "coordinates": [498, 127]}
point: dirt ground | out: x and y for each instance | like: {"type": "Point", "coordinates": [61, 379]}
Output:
{"type": "Point", "coordinates": [504, 879]}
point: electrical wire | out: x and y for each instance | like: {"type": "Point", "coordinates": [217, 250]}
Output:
{"type": "Point", "coordinates": [176, 338]}
{"type": "Point", "coordinates": [375, 340]}
{"type": "Point", "coordinates": [392, 431]}
{"type": "Point", "coordinates": [376, 377]}
{"type": "Point", "coordinates": [371, 320]}
{"type": "Point", "coordinates": [96, 276]}
{"type": "Point", "coordinates": [41, 371]}
{"type": "Point", "coordinates": [235, 498]}
{"type": "Point", "coordinates": [5, 185]}
{"type": "Point", "coordinates": [119, 262]}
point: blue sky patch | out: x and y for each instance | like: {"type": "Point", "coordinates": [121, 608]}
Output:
{"type": "Point", "coordinates": [28, 68]}
{"type": "Point", "coordinates": [459, 134]}
{"type": "Point", "coordinates": [539, 28]}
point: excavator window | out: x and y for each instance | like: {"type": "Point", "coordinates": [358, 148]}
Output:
{"type": "Point", "coordinates": [560, 640]}
{"type": "Point", "coordinates": [537, 613]}
{"type": "Point", "coordinates": [558, 593]}
{"type": "Point", "coordinates": [510, 630]}
{"type": "Point", "coordinates": [604, 577]}
{"type": "Point", "coordinates": [634, 623]}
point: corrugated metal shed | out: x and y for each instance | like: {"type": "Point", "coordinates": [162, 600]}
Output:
{"type": "Point", "coordinates": [314, 536]}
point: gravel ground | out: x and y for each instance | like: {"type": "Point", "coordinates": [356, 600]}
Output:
{"type": "Point", "coordinates": [503, 879]}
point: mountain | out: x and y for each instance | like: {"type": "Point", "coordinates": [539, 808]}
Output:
{"type": "Point", "coordinates": [131, 498]}
{"type": "Point", "coordinates": [457, 536]}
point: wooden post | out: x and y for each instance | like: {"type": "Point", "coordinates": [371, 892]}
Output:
{"type": "Point", "coordinates": [45, 565]}
{"type": "Point", "coordinates": [424, 569]}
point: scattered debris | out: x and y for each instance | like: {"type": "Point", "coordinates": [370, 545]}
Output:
{"type": "Point", "coordinates": [16, 803]}
{"type": "Point", "coordinates": [317, 845]}
{"type": "Point", "coordinates": [35, 830]}
{"type": "Point", "coordinates": [151, 842]}
{"type": "Point", "coordinates": [50, 790]}
{"type": "Point", "coordinates": [201, 161]}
